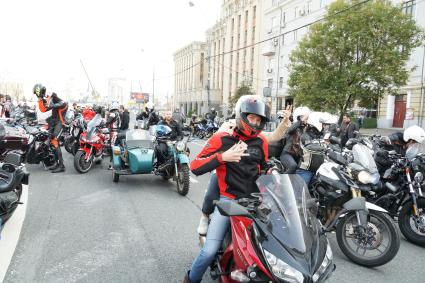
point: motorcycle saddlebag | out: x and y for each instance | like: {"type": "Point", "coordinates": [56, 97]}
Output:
{"type": "Point", "coordinates": [8, 203]}
{"type": "Point", "coordinates": [140, 160]}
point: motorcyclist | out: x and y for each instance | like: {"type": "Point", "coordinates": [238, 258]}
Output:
{"type": "Point", "coordinates": [292, 152]}
{"type": "Point", "coordinates": [176, 134]}
{"type": "Point", "coordinates": [212, 193]}
{"type": "Point", "coordinates": [400, 142]}
{"type": "Point", "coordinates": [238, 158]}
{"type": "Point", "coordinates": [149, 115]}
{"type": "Point", "coordinates": [55, 121]}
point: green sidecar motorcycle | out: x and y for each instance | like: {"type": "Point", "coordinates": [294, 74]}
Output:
{"type": "Point", "coordinates": [136, 155]}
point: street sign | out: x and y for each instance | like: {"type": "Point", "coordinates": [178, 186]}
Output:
{"type": "Point", "coordinates": [140, 97]}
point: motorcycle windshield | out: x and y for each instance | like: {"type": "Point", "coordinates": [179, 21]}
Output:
{"type": "Point", "coordinates": [69, 116]}
{"type": "Point", "coordinates": [288, 210]}
{"type": "Point", "coordinates": [139, 138]}
{"type": "Point", "coordinates": [91, 126]}
{"type": "Point", "coordinates": [363, 157]}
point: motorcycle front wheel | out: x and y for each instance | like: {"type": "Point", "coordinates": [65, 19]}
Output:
{"type": "Point", "coordinates": [413, 228]}
{"type": "Point", "coordinates": [69, 144]}
{"type": "Point", "coordinates": [81, 164]}
{"type": "Point", "coordinates": [183, 179]}
{"type": "Point", "coordinates": [375, 246]}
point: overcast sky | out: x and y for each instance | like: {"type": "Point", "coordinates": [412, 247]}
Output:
{"type": "Point", "coordinates": [44, 40]}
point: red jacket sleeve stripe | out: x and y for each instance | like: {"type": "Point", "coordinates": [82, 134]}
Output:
{"type": "Point", "coordinates": [209, 158]}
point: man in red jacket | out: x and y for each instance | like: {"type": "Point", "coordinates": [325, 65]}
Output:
{"type": "Point", "coordinates": [238, 159]}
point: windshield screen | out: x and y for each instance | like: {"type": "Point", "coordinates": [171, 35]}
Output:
{"type": "Point", "coordinates": [91, 126]}
{"type": "Point", "coordinates": [289, 210]}
{"type": "Point", "coordinates": [363, 157]}
{"type": "Point", "coordinates": [139, 138]}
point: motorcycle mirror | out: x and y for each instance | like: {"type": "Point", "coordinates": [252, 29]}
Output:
{"type": "Point", "coordinates": [228, 208]}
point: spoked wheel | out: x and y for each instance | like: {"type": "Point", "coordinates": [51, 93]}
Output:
{"type": "Point", "coordinates": [413, 227]}
{"type": "Point", "coordinates": [374, 246]}
{"type": "Point", "coordinates": [81, 164]}
{"type": "Point", "coordinates": [183, 180]}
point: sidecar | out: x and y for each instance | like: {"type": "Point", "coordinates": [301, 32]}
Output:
{"type": "Point", "coordinates": [134, 155]}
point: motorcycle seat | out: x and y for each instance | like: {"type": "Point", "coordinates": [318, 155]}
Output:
{"type": "Point", "coordinates": [7, 180]}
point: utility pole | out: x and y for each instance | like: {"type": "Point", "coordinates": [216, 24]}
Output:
{"type": "Point", "coordinates": [87, 75]}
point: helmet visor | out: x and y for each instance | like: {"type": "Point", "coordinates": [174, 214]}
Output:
{"type": "Point", "coordinates": [259, 108]}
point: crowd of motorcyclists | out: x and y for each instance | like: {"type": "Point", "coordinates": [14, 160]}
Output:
{"type": "Point", "coordinates": [238, 152]}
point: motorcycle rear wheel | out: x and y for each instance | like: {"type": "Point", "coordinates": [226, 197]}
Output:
{"type": "Point", "coordinates": [406, 222]}
{"type": "Point", "coordinates": [80, 164]}
{"type": "Point", "coordinates": [375, 221]}
{"type": "Point", "coordinates": [183, 179]}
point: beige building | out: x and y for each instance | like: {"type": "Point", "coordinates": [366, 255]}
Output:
{"type": "Point", "coordinates": [14, 89]}
{"type": "Point", "coordinates": [190, 85]}
{"type": "Point", "coordinates": [233, 60]}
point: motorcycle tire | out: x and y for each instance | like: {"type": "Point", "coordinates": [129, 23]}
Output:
{"type": "Point", "coordinates": [405, 225]}
{"type": "Point", "coordinates": [80, 164]}
{"type": "Point", "coordinates": [183, 179]}
{"type": "Point", "coordinates": [201, 135]}
{"type": "Point", "coordinates": [69, 144]}
{"type": "Point", "coordinates": [208, 135]}
{"type": "Point", "coordinates": [385, 257]}
{"type": "Point", "coordinates": [115, 177]}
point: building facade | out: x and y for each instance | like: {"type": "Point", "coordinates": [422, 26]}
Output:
{"type": "Point", "coordinates": [407, 108]}
{"type": "Point", "coordinates": [233, 55]}
{"type": "Point", "coordinates": [281, 33]}
{"type": "Point", "coordinates": [118, 90]}
{"type": "Point", "coordinates": [283, 24]}
{"type": "Point", "coordinates": [190, 81]}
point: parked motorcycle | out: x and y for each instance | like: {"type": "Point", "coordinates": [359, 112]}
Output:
{"type": "Point", "coordinates": [402, 194]}
{"type": "Point", "coordinates": [92, 144]}
{"type": "Point", "coordinates": [365, 232]}
{"type": "Point", "coordinates": [274, 236]}
{"type": "Point", "coordinates": [12, 176]}
{"type": "Point", "coordinates": [72, 141]}
{"type": "Point", "coordinates": [211, 128]}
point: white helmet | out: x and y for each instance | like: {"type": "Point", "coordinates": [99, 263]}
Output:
{"type": "Point", "coordinates": [114, 106]}
{"type": "Point", "coordinates": [415, 133]}
{"type": "Point", "coordinates": [301, 111]}
{"type": "Point", "coordinates": [149, 105]}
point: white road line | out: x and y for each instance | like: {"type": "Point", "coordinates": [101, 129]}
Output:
{"type": "Point", "coordinates": [11, 232]}
{"type": "Point", "coordinates": [193, 180]}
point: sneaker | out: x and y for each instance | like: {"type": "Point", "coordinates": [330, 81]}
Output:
{"type": "Point", "coordinates": [59, 169]}
{"type": "Point", "coordinates": [203, 225]}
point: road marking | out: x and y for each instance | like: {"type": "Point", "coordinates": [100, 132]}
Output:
{"type": "Point", "coordinates": [193, 180]}
{"type": "Point", "coordinates": [10, 233]}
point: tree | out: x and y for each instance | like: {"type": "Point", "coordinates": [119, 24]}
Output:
{"type": "Point", "coordinates": [244, 89]}
{"type": "Point", "coordinates": [358, 53]}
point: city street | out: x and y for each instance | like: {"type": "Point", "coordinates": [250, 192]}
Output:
{"type": "Point", "coordinates": [85, 228]}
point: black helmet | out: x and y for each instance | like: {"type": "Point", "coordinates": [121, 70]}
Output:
{"type": "Point", "coordinates": [251, 104]}
{"type": "Point", "coordinates": [39, 90]}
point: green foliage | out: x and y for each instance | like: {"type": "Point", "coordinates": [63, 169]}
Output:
{"type": "Point", "coordinates": [356, 55]}
{"type": "Point", "coordinates": [244, 89]}
{"type": "Point", "coordinates": [370, 123]}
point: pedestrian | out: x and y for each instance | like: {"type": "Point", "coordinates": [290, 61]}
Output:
{"type": "Point", "coordinates": [179, 117]}
{"type": "Point", "coordinates": [125, 119]}
{"type": "Point", "coordinates": [347, 130]}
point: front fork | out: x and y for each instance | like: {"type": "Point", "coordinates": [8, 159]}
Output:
{"type": "Point", "coordinates": [360, 214]}
{"type": "Point", "coordinates": [413, 193]}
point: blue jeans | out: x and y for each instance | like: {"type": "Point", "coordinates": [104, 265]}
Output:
{"type": "Point", "coordinates": [215, 235]}
{"type": "Point", "coordinates": [212, 194]}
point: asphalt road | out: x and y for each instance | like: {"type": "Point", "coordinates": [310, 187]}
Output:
{"type": "Point", "coordinates": [85, 228]}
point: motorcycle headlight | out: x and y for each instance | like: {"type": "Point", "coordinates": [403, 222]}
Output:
{"type": "Point", "coordinates": [180, 146]}
{"type": "Point", "coordinates": [283, 270]}
{"type": "Point", "coordinates": [419, 177]}
{"type": "Point", "coordinates": [325, 263]}
{"type": "Point", "coordinates": [367, 178]}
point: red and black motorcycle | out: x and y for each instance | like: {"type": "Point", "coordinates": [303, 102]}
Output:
{"type": "Point", "coordinates": [274, 236]}
{"type": "Point", "coordinates": [92, 144]}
